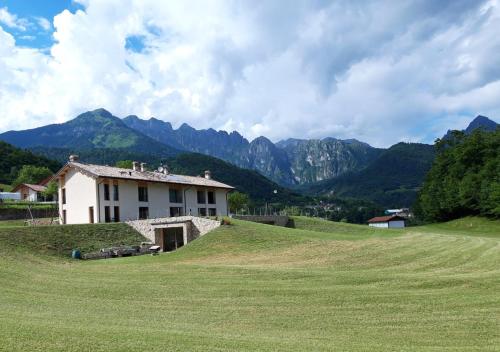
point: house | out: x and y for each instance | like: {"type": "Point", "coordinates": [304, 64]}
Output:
{"type": "Point", "coordinates": [29, 192]}
{"type": "Point", "coordinates": [95, 193]}
{"type": "Point", "coordinates": [390, 221]}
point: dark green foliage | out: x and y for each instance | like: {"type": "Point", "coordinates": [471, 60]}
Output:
{"type": "Point", "coordinates": [392, 180]}
{"type": "Point", "coordinates": [124, 164]}
{"type": "Point", "coordinates": [237, 201]}
{"type": "Point", "coordinates": [13, 159]}
{"type": "Point", "coordinates": [464, 179]}
{"type": "Point", "coordinates": [51, 190]}
{"type": "Point", "coordinates": [354, 211]}
{"type": "Point", "coordinates": [32, 174]}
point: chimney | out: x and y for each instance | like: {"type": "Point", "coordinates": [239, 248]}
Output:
{"type": "Point", "coordinates": [208, 175]}
{"type": "Point", "coordinates": [135, 165]}
{"type": "Point", "coordinates": [73, 158]}
{"type": "Point", "coordinates": [165, 169]}
{"type": "Point", "coordinates": [143, 167]}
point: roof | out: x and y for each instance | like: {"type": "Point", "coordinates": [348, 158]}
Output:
{"type": "Point", "coordinates": [147, 176]}
{"type": "Point", "coordinates": [385, 218]}
{"type": "Point", "coordinates": [36, 188]}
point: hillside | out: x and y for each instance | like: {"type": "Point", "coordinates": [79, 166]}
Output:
{"type": "Point", "coordinates": [12, 160]}
{"type": "Point", "coordinates": [91, 130]}
{"type": "Point", "coordinates": [253, 287]}
{"type": "Point", "coordinates": [391, 180]}
{"type": "Point", "coordinates": [259, 188]}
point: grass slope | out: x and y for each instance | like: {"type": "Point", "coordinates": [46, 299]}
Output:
{"type": "Point", "coordinates": [61, 240]}
{"type": "Point", "coordinates": [251, 287]}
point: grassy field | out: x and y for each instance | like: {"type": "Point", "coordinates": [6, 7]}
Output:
{"type": "Point", "coordinates": [251, 287]}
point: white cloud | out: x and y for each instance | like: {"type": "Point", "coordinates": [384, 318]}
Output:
{"type": "Point", "coordinates": [380, 72]}
{"type": "Point", "coordinates": [44, 23]}
{"type": "Point", "coordinates": [12, 21]}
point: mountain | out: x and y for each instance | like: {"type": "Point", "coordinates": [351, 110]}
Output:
{"type": "Point", "coordinates": [288, 162]}
{"type": "Point", "coordinates": [12, 160]}
{"type": "Point", "coordinates": [91, 130]}
{"type": "Point", "coordinates": [480, 122]}
{"type": "Point", "coordinates": [258, 187]}
{"type": "Point", "coordinates": [317, 160]}
{"type": "Point", "coordinates": [392, 179]}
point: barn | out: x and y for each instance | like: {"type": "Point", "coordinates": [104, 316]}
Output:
{"type": "Point", "coordinates": [390, 221]}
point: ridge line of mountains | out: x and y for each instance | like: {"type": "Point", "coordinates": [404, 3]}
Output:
{"type": "Point", "coordinates": [347, 168]}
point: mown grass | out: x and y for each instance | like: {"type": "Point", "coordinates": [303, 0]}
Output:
{"type": "Point", "coordinates": [253, 287]}
{"type": "Point", "coordinates": [61, 240]}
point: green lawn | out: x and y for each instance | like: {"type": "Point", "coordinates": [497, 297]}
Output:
{"type": "Point", "coordinates": [253, 287]}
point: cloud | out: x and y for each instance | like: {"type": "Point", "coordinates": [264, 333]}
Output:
{"type": "Point", "coordinates": [379, 71]}
{"type": "Point", "coordinates": [43, 23]}
{"type": "Point", "coordinates": [12, 21]}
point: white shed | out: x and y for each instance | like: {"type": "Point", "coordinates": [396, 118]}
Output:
{"type": "Point", "coordinates": [390, 221]}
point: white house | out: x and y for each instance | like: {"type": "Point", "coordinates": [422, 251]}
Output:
{"type": "Point", "coordinates": [95, 193]}
{"type": "Point", "coordinates": [390, 221]}
{"type": "Point", "coordinates": [29, 192]}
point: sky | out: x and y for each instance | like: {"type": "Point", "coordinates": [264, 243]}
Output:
{"type": "Point", "coordinates": [378, 71]}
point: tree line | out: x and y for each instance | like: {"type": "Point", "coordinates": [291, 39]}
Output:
{"type": "Point", "coordinates": [464, 178]}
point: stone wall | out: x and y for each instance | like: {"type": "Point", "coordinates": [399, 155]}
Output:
{"type": "Point", "coordinates": [195, 226]}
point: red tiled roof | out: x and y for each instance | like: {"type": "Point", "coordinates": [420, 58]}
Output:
{"type": "Point", "coordinates": [385, 218]}
{"type": "Point", "coordinates": [36, 188]}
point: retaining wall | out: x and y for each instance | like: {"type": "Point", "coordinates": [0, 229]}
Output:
{"type": "Point", "coordinates": [195, 226]}
{"type": "Point", "coordinates": [278, 220]}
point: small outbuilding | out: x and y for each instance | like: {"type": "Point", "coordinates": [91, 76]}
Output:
{"type": "Point", "coordinates": [29, 192]}
{"type": "Point", "coordinates": [390, 221]}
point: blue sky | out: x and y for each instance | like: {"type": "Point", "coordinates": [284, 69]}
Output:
{"type": "Point", "coordinates": [379, 71]}
{"type": "Point", "coordinates": [36, 35]}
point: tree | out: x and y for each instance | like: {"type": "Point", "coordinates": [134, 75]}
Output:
{"type": "Point", "coordinates": [464, 178]}
{"type": "Point", "coordinates": [32, 174]}
{"type": "Point", "coordinates": [50, 191]}
{"type": "Point", "coordinates": [237, 201]}
{"type": "Point", "coordinates": [124, 164]}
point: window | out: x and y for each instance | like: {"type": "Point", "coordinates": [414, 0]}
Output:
{"type": "Point", "coordinates": [201, 197]}
{"type": "Point", "coordinates": [143, 213]}
{"type": "Point", "coordinates": [175, 211]}
{"type": "Point", "coordinates": [64, 219]}
{"type": "Point", "coordinates": [106, 191]}
{"type": "Point", "coordinates": [143, 194]}
{"type": "Point", "coordinates": [117, 214]}
{"type": "Point", "coordinates": [212, 212]}
{"type": "Point", "coordinates": [64, 195]}
{"type": "Point", "coordinates": [91, 215]}
{"type": "Point", "coordinates": [202, 211]}
{"type": "Point", "coordinates": [211, 197]}
{"type": "Point", "coordinates": [116, 193]}
{"type": "Point", "coordinates": [175, 195]}
{"type": "Point", "coordinates": [107, 214]}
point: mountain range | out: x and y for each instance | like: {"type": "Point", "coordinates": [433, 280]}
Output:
{"type": "Point", "coordinates": [289, 162]}
{"type": "Point", "coordinates": [347, 168]}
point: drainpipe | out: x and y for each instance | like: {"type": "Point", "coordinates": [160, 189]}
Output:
{"type": "Point", "coordinates": [184, 200]}
{"type": "Point", "coordinates": [99, 202]}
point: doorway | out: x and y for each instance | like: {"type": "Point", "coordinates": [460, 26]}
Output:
{"type": "Point", "coordinates": [173, 238]}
